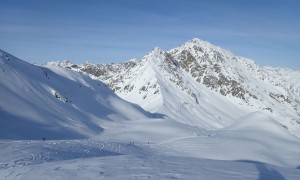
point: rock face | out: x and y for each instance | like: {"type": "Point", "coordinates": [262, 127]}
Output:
{"type": "Point", "coordinates": [200, 84]}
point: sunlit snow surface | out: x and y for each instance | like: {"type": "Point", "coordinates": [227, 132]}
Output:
{"type": "Point", "coordinates": [124, 141]}
{"type": "Point", "coordinates": [160, 149]}
{"type": "Point", "coordinates": [93, 159]}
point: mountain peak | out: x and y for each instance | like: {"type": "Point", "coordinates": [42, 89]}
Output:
{"type": "Point", "coordinates": [194, 44]}
{"type": "Point", "coordinates": [198, 43]}
{"type": "Point", "coordinates": [196, 40]}
{"type": "Point", "coordinates": [157, 50]}
{"type": "Point", "coordinates": [200, 48]}
{"type": "Point", "coordinates": [156, 53]}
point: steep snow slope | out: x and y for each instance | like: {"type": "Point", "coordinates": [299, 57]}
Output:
{"type": "Point", "coordinates": [200, 84]}
{"type": "Point", "coordinates": [55, 102]}
{"type": "Point", "coordinates": [264, 88]}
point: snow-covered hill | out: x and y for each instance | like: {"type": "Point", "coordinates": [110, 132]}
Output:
{"type": "Point", "coordinates": [56, 103]}
{"type": "Point", "coordinates": [200, 84]}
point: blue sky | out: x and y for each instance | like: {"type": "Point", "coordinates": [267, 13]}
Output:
{"type": "Point", "coordinates": [103, 31]}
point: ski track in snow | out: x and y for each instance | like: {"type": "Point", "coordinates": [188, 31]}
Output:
{"type": "Point", "coordinates": [34, 152]}
{"type": "Point", "coordinates": [174, 139]}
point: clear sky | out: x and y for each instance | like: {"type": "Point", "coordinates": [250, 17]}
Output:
{"type": "Point", "coordinates": [102, 31]}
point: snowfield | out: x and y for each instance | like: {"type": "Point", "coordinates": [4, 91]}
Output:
{"type": "Point", "coordinates": [91, 133]}
{"type": "Point", "coordinates": [94, 159]}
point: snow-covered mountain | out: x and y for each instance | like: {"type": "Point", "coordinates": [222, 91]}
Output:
{"type": "Point", "coordinates": [200, 84]}
{"type": "Point", "coordinates": [190, 96]}
{"type": "Point", "coordinates": [56, 103]}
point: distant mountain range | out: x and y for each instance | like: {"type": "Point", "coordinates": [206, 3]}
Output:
{"type": "Point", "coordinates": [202, 85]}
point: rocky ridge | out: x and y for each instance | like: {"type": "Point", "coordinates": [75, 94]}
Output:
{"type": "Point", "coordinates": [196, 74]}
